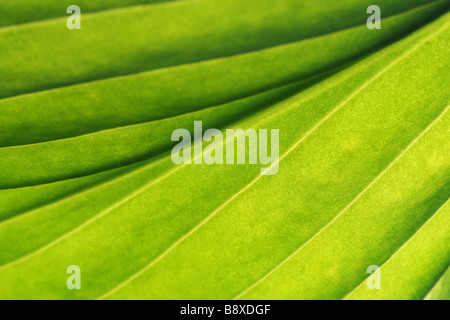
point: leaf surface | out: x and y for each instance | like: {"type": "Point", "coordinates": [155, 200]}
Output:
{"type": "Point", "coordinates": [87, 179]}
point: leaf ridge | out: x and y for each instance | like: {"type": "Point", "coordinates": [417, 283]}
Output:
{"type": "Point", "coordinates": [319, 76]}
{"type": "Point", "coordinates": [76, 193]}
{"type": "Point", "coordinates": [93, 219]}
{"type": "Point", "coordinates": [440, 282]}
{"type": "Point", "coordinates": [188, 64]}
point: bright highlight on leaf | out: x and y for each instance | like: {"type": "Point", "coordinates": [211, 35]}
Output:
{"type": "Point", "coordinates": [88, 188]}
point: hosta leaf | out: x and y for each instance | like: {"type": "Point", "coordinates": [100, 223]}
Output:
{"type": "Point", "coordinates": [164, 35]}
{"type": "Point", "coordinates": [87, 179]}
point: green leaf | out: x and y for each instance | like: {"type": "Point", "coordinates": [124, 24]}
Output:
{"type": "Point", "coordinates": [86, 176]}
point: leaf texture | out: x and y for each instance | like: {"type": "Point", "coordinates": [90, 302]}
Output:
{"type": "Point", "coordinates": [86, 176]}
